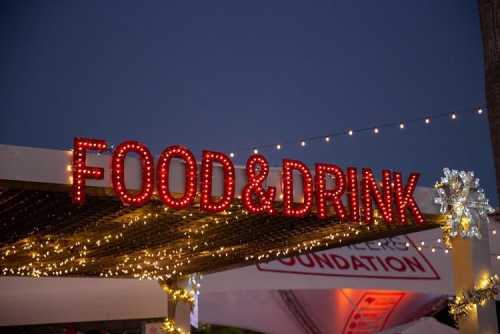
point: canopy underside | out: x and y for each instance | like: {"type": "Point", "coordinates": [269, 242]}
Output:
{"type": "Point", "coordinates": [42, 233]}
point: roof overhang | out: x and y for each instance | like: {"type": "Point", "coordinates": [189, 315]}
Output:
{"type": "Point", "coordinates": [42, 233]}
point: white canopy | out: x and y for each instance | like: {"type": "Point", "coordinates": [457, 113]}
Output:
{"type": "Point", "coordinates": [423, 325]}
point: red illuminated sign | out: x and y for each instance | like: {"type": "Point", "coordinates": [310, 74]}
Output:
{"type": "Point", "coordinates": [392, 198]}
{"type": "Point", "coordinates": [372, 312]}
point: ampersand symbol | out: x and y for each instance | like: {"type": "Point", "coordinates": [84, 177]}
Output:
{"type": "Point", "coordinates": [255, 198]}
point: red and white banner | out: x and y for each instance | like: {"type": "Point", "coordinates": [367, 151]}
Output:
{"type": "Point", "coordinates": [390, 258]}
{"type": "Point", "coordinates": [398, 263]}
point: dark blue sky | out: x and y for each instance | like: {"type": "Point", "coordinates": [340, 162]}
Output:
{"type": "Point", "coordinates": [229, 74]}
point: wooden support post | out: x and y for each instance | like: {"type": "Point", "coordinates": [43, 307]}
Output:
{"type": "Point", "coordinates": [471, 264]}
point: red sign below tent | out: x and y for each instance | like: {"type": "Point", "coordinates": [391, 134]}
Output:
{"type": "Point", "coordinates": [372, 311]}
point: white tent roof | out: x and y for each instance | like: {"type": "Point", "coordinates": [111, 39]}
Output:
{"type": "Point", "coordinates": [342, 311]}
{"type": "Point", "coordinates": [423, 325]}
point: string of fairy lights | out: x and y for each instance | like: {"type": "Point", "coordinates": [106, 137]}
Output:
{"type": "Point", "coordinates": [330, 138]}
{"type": "Point", "coordinates": [163, 264]}
{"type": "Point", "coordinates": [49, 256]}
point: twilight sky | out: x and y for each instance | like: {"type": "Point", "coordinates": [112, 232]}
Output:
{"type": "Point", "coordinates": [227, 75]}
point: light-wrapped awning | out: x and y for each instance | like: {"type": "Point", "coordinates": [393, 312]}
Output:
{"type": "Point", "coordinates": [42, 233]}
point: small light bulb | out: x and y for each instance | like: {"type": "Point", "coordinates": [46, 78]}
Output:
{"type": "Point", "coordinates": [278, 147]}
{"type": "Point", "coordinates": [446, 251]}
{"type": "Point", "coordinates": [327, 139]}
{"type": "Point", "coordinates": [427, 120]}
{"type": "Point", "coordinates": [255, 151]}
{"type": "Point", "coordinates": [401, 125]}
{"type": "Point", "coordinates": [302, 143]}
{"type": "Point", "coordinates": [453, 116]}
{"type": "Point", "coordinates": [479, 111]}
{"type": "Point", "coordinates": [231, 155]}
{"type": "Point", "coordinates": [375, 131]}
{"type": "Point", "coordinates": [350, 132]}
{"type": "Point", "coordinates": [433, 249]}
{"type": "Point", "coordinates": [498, 257]}
{"type": "Point", "coordinates": [494, 232]}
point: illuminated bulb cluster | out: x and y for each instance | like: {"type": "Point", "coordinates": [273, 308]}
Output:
{"type": "Point", "coordinates": [257, 169]}
{"type": "Point", "coordinates": [80, 170]}
{"type": "Point", "coordinates": [289, 166]}
{"type": "Point", "coordinates": [440, 244]}
{"type": "Point", "coordinates": [158, 264]}
{"type": "Point", "coordinates": [383, 199]}
{"type": "Point", "coordinates": [352, 194]}
{"type": "Point", "coordinates": [189, 180]}
{"type": "Point", "coordinates": [255, 198]}
{"type": "Point", "coordinates": [308, 246]}
{"type": "Point", "coordinates": [52, 257]}
{"type": "Point", "coordinates": [404, 197]}
{"type": "Point", "coordinates": [184, 295]}
{"type": "Point", "coordinates": [168, 326]}
{"type": "Point", "coordinates": [334, 195]}
{"type": "Point", "coordinates": [467, 301]}
{"type": "Point", "coordinates": [118, 173]}
{"type": "Point", "coordinates": [206, 202]}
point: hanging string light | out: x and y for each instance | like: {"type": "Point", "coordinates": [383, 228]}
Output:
{"type": "Point", "coordinates": [376, 130]}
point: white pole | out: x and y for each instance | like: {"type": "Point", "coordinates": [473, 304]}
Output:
{"type": "Point", "coordinates": [178, 310]}
{"type": "Point", "coordinates": [471, 264]}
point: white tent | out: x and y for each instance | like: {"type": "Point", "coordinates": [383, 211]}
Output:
{"type": "Point", "coordinates": [341, 311]}
{"type": "Point", "coordinates": [423, 325]}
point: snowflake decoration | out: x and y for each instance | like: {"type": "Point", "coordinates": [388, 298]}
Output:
{"type": "Point", "coordinates": [464, 203]}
